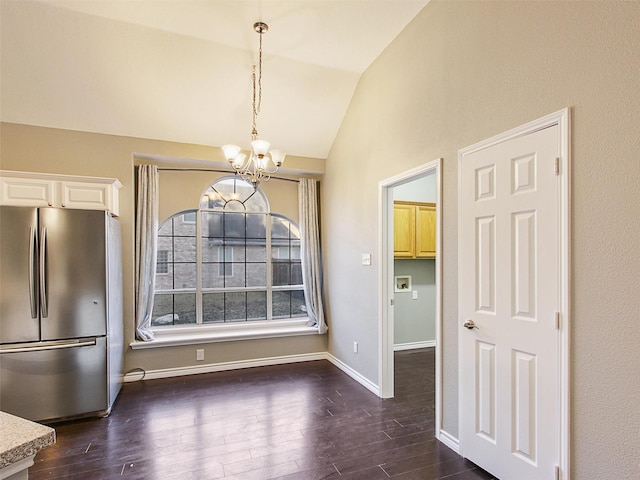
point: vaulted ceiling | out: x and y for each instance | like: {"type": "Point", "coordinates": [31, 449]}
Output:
{"type": "Point", "coordinates": [180, 70]}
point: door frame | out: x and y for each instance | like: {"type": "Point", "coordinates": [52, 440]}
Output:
{"type": "Point", "coordinates": [562, 118]}
{"type": "Point", "coordinates": [385, 279]}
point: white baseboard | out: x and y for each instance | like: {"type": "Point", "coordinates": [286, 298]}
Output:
{"type": "Point", "coordinates": [139, 374]}
{"type": "Point", "coordinates": [365, 382]}
{"type": "Point", "coordinates": [412, 345]}
{"type": "Point", "coordinates": [449, 440]}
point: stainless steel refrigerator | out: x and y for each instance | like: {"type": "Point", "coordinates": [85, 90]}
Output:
{"type": "Point", "coordinates": [61, 340]}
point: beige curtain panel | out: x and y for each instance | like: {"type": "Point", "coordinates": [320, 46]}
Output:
{"type": "Point", "coordinates": [310, 252]}
{"type": "Point", "coordinates": [146, 248]}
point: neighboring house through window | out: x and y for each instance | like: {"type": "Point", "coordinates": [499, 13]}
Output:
{"type": "Point", "coordinates": [162, 266]}
{"type": "Point", "coordinates": [229, 261]}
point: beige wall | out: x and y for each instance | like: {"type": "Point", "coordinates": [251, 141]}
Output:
{"type": "Point", "coordinates": [47, 150]}
{"type": "Point", "coordinates": [459, 73]}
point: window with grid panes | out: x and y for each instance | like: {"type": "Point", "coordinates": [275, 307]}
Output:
{"type": "Point", "coordinates": [162, 262]}
{"type": "Point", "coordinates": [229, 261]}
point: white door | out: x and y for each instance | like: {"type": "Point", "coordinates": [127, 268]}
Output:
{"type": "Point", "coordinates": [510, 289]}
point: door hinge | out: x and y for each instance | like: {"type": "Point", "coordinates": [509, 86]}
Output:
{"type": "Point", "coordinates": [556, 167]}
{"type": "Point", "coordinates": [557, 320]}
{"type": "Point", "coordinates": [557, 473]}
{"type": "Point", "coordinates": [392, 301]}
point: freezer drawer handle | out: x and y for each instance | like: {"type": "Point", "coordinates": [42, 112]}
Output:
{"type": "Point", "coordinates": [55, 346]}
{"type": "Point", "coordinates": [32, 262]}
{"type": "Point", "coordinates": [44, 307]}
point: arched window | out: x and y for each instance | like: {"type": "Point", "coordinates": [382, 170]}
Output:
{"type": "Point", "coordinates": [229, 261]}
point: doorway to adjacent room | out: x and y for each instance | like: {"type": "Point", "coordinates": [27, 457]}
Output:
{"type": "Point", "coordinates": [387, 280]}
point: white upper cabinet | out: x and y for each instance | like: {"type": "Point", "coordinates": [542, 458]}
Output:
{"type": "Point", "coordinates": [64, 191]}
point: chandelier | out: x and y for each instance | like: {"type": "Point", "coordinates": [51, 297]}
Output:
{"type": "Point", "coordinates": [261, 162]}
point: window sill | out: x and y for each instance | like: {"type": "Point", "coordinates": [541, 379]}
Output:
{"type": "Point", "coordinates": [175, 336]}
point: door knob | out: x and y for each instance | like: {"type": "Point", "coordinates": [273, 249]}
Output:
{"type": "Point", "coordinates": [470, 325]}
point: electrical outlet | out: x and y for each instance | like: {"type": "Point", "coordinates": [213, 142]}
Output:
{"type": "Point", "coordinates": [200, 354]}
{"type": "Point", "coordinates": [414, 294]}
{"type": "Point", "coordinates": [355, 347]}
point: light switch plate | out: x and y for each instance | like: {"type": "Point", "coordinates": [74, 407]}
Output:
{"type": "Point", "coordinates": [366, 259]}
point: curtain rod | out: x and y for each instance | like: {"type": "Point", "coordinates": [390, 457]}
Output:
{"type": "Point", "coordinates": [217, 171]}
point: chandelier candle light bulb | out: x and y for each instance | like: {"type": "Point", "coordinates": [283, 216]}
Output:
{"type": "Point", "coordinates": [257, 166]}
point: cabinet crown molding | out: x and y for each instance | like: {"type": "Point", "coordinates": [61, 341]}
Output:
{"type": "Point", "coordinates": [61, 178]}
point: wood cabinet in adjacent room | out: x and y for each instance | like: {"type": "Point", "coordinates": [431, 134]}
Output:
{"type": "Point", "coordinates": [414, 230]}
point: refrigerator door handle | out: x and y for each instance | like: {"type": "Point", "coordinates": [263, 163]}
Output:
{"type": "Point", "coordinates": [48, 346]}
{"type": "Point", "coordinates": [44, 304]}
{"type": "Point", "coordinates": [33, 255]}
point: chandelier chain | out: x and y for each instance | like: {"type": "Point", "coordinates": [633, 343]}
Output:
{"type": "Point", "coordinates": [257, 95]}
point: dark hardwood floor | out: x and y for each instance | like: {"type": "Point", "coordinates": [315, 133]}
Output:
{"type": "Point", "coordinates": [302, 421]}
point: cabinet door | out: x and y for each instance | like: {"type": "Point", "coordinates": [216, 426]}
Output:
{"type": "Point", "coordinates": [426, 231]}
{"type": "Point", "coordinates": [86, 196]}
{"type": "Point", "coordinates": [404, 231]}
{"type": "Point", "coordinates": [27, 192]}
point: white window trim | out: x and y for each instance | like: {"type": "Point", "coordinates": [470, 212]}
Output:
{"type": "Point", "coordinates": [229, 332]}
